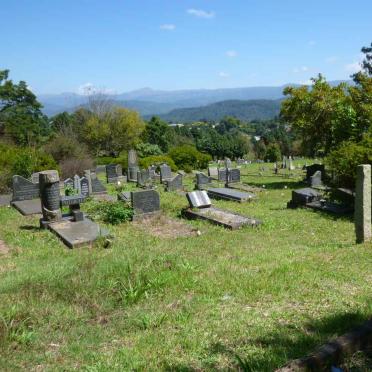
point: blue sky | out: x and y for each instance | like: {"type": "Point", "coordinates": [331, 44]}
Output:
{"type": "Point", "coordinates": [121, 45]}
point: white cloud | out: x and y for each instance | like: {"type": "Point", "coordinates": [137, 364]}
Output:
{"type": "Point", "coordinates": [222, 74]}
{"type": "Point", "coordinates": [353, 67]}
{"type": "Point", "coordinates": [201, 13]}
{"type": "Point", "coordinates": [232, 53]}
{"type": "Point", "coordinates": [168, 27]}
{"type": "Point", "coordinates": [312, 42]}
{"type": "Point", "coordinates": [88, 89]}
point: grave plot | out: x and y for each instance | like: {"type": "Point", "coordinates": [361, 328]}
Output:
{"type": "Point", "coordinates": [74, 229]}
{"type": "Point", "coordinates": [174, 183]}
{"type": "Point", "coordinates": [26, 196]}
{"type": "Point", "coordinates": [230, 194]}
{"type": "Point", "coordinates": [201, 208]}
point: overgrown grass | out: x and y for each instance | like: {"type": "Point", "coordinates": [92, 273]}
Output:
{"type": "Point", "coordinates": [248, 299]}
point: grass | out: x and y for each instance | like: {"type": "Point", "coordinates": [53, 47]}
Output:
{"type": "Point", "coordinates": [249, 299]}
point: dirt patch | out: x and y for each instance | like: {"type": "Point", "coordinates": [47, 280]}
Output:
{"type": "Point", "coordinates": [4, 249]}
{"type": "Point", "coordinates": [165, 227]}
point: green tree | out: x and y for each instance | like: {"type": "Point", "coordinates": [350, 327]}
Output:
{"type": "Point", "coordinates": [273, 152]}
{"type": "Point", "coordinates": [21, 118]}
{"type": "Point", "coordinates": [158, 132]}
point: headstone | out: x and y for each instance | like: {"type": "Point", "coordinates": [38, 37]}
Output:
{"type": "Point", "coordinates": [132, 158]}
{"type": "Point", "coordinates": [114, 173]}
{"type": "Point", "coordinates": [97, 186]}
{"type": "Point", "coordinates": [213, 172]}
{"type": "Point", "coordinates": [165, 172]}
{"type": "Point", "coordinates": [202, 180]}
{"type": "Point", "coordinates": [50, 196]}
{"type": "Point", "coordinates": [143, 178]}
{"type": "Point", "coordinates": [174, 183]}
{"type": "Point", "coordinates": [198, 199]}
{"type": "Point", "coordinates": [145, 202]}
{"type": "Point", "coordinates": [363, 204]}
{"type": "Point", "coordinates": [227, 163]}
{"type": "Point", "coordinates": [24, 189]}
{"type": "Point", "coordinates": [84, 187]}
{"type": "Point", "coordinates": [88, 176]}
{"type": "Point", "coordinates": [132, 173]}
{"type": "Point", "coordinates": [234, 175]}
{"type": "Point", "coordinates": [301, 197]}
{"type": "Point", "coordinates": [152, 171]}
{"type": "Point", "coordinates": [35, 177]}
{"type": "Point", "coordinates": [222, 174]}
{"type": "Point", "coordinates": [284, 162]}
{"type": "Point", "coordinates": [68, 183]}
{"type": "Point", "coordinates": [316, 179]}
{"type": "Point", "coordinates": [77, 184]}
{"type": "Point", "coordinates": [311, 169]}
{"type": "Point", "coordinates": [291, 166]}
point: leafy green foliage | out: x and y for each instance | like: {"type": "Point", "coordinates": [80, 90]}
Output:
{"type": "Point", "coordinates": [147, 149]}
{"type": "Point", "coordinates": [157, 160]}
{"type": "Point", "coordinates": [189, 157]}
{"type": "Point", "coordinates": [158, 132]}
{"type": "Point", "coordinates": [273, 153]}
{"type": "Point", "coordinates": [113, 213]}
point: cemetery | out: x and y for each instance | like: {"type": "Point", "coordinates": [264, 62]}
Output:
{"type": "Point", "coordinates": [189, 228]}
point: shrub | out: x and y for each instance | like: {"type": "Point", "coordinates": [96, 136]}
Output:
{"type": "Point", "coordinates": [64, 147]}
{"type": "Point", "coordinates": [344, 160]}
{"type": "Point", "coordinates": [187, 156]}
{"type": "Point", "coordinates": [157, 160]}
{"type": "Point", "coordinates": [147, 149]}
{"type": "Point", "coordinates": [113, 213]}
{"type": "Point", "coordinates": [273, 153]}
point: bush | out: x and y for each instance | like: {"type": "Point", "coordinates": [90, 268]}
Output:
{"type": "Point", "coordinates": [157, 160]}
{"type": "Point", "coordinates": [147, 149]}
{"type": "Point", "coordinates": [113, 213]}
{"type": "Point", "coordinates": [273, 153]}
{"type": "Point", "coordinates": [70, 167]}
{"type": "Point", "coordinates": [344, 160]}
{"type": "Point", "coordinates": [187, 156]}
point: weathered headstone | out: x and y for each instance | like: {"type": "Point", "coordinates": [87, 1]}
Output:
{"type": "Point", "coordinates": [132, 158]}
{"type": "Point", "coordinates": [316, 179]}
{"type": "Point", "coordinates": [363, 204]}
{"type": "Point", "coordinates": [114, 173]}
{"type": "Point", "coordinates": [88, 176]}
{"type": "Point", "coordinates": [227, 162]}
{"type": "Point", "coordinates": [143, 178]}
{"type": "Point", "coordinates": [284, 162]}
{"type": "Point", "coordinates": [301, 197]}
{"type": "Point", "coordinates": [198, 199]}
{"type": "Point", "coordinates": [24, 189]}
{"type": "Point", "coordinates": [35, 177]}
{"type": "Point", "coordinates": [50, 196]}
{"type": "Point", "coordinates": [165, 172]}
{"type": "Point", "coordinates": [84, 187]}
{"type": "Point", "coordinates": [77, 184]}
{"type": "Point", "coordinates": [234, 175]}
{"type": "Point", "coordinates": [145, 202]}
{"type": "Point", "coordinates": [174, 183]}
{"type": "Point", "coordinates": [222, 174]}
{"type": "Point", "coordinates": [97, 185]}
{"type": "Point", "coordinates": [202, 180]}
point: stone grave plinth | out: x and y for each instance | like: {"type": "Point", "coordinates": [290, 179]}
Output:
{"type": "Point", "coordinates": [230, 194]}
{"type": "Point", "coordinates": [201, 208]}
{"type": "Point", "coordinates": [26, 196]}
{"type": "Point", "coordinates": [174, 183]}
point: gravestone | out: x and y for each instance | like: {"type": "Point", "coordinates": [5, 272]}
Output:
{"type": "Point", "coordinates": [291, 166]}
{"type": "Point", "coordinates": [50, 196]}
{"type": "Point", "coordinates": [198, 199]}
{"type": "Point", "coordinates": [234, 175]}
{"type": "Point", "coordinates": [24, 189]}
{"type": "Point", "coordinates": [152, 172]}
{"type": "Point", "coordinates": [174, 183]}
{"type": "Point", "coordinates": [84, 187]}
{"type": "Point", "coordinates": [68, 183]}
{"type": "Point", "coordinates": [227, 162]}
{"type": "Point", "coordinates": [132, 173]}
{"type": "Point", "coordinates": [146, 202]}
{"type": "Point", "coordinates": [301, 197]}
{"type": "Point", "coordinates": [97, 186]}
{"type": "Point", "coordinates": [77, 184]}
{"type": "Point", "coordinates": [311, 169]}
{"type": "Point", "coordinates": [143, 178]}
{"type": "Point", "coordinates": [230, 194]}
{"type": "Point", "coordinates": [362, 216]}
{"type": "Point", "coordinates": [284, 162]}
{"type": "Point", "coordinates": [88, 176]}
{"type": "Point", "coordinates": [222, 174]}
{"type": "Point", "coordinates": [132, 158]}
{"type": "Point", "coordinates": [316, 179]}
{"type": "Point", "coordinates": [213, 172]}
{"type": "Point", "coordinates": [202, 180]}
{"type": "Point", "coordinates": [35, 177]}
{"type": "Point", "coordinates": [165, 172]}
{"type": "Point", "coordinates": [114, 173]}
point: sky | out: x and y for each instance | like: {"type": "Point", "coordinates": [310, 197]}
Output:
{"type": "Point", "coordinates": [122, 45]}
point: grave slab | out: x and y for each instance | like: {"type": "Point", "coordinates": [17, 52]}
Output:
{"type": "Point", "coordinates": [77, 234]}
{"type": "Point", "coordinates": [28, 207]}
{"type": "Point", "coordinates": [221, 217]}
{"type": "Point", "coordinates": [230, 194]}
{"type": "Point", "coordinates": [332, 208]}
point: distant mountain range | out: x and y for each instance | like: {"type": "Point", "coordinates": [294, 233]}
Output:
{"type": "Point", "coordinates": [149, 102]}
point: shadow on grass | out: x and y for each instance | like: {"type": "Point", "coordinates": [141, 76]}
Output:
{"type": "Point", "coordinates": [349, 216]}
{"type": "Point", "coordinates": [30, 228]}
{"type": "Point", "coordinates": [280, 346]}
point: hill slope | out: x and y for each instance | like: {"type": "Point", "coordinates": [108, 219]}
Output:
{"type": "Point", "coordinates": [243, 110]}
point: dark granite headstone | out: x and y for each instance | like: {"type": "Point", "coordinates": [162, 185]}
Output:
{"type": "Point", "coordinates": [303, 196]}
{"type": "Point", "coordinates": [145, 202]}
{"type": "Point", "coordinates": [198, 199]}
{"type": "Point", "coordinates": [84, 186]}
{"type": "Point", "coordinates": [234, 175]}
{"type": "Point", "coordinates": [143, 178]}
{"type": "Point", "coordinates": [165, 172]}
{"type": "Point", "coordinates": [222, 174]}
{"type": "Point", "coordinates": [174, 183]}
{"type": "Point", "coordinates": [113, 173]}
{"type": "Point", "coordinates": [24, 189]}
{"type": "Point", "coordinates": [202, 180]}
{"type": "Point", "coordinates": [97, 186]}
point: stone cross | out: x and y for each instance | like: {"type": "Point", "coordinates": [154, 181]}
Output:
{"type": "Point", "coordinates": [363, 204]}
